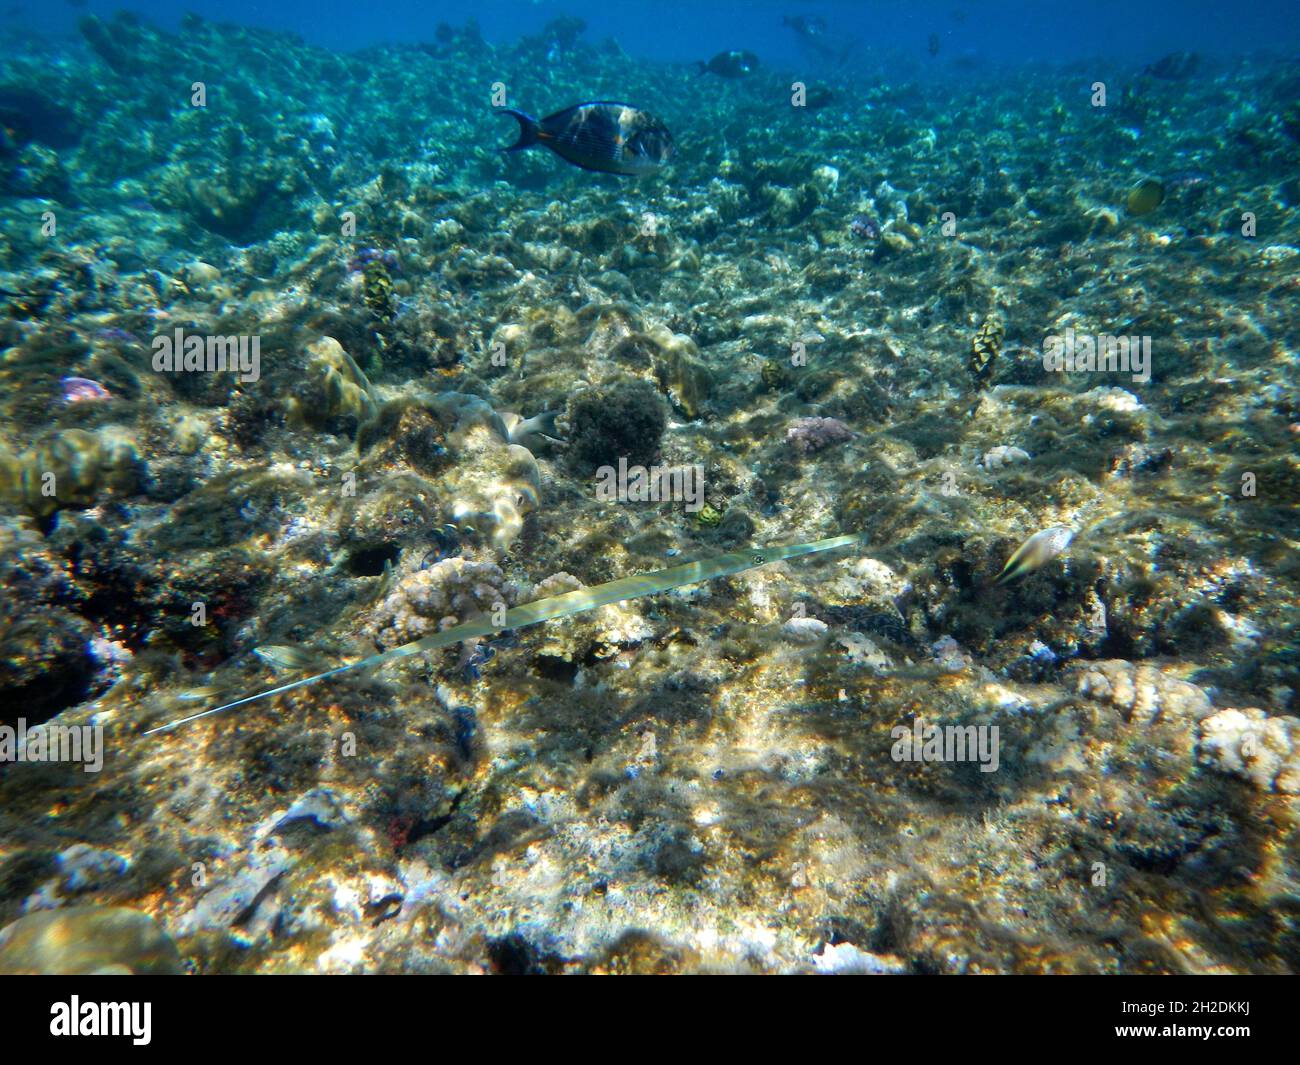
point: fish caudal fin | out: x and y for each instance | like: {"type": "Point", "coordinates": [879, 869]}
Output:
{"type": "Point", "coordinates": [543, 424]}
{"type": "Point", "coordinates": [528, 129]}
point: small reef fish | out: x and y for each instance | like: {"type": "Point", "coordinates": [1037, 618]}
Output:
{"type": "Point", "coordinates": [446, 542]}
{"type": "Point", "coordinates": [464, 730]}
{"type": "Point", "coordinates": [1035, 552]}
{"type": "Point", "coordinates": [737, 63]}
{"type": "Point", "coordinates": [480, 652]}
{"type": "Point", "coordinates": [863, 228]}
{"type": "Point", "coordinates": [1188, 180]}
{"type": "Point", "coordinates": [819, 98]}
{"type": "Point", "coordinates": [1174, 67]}
{"type": "Point", "coordinates": [806, 25]}
{"type": "Point", "coordinates": [984, 350]}
{"type": "Point", "coordinates": [117, 335]}
{"type": "Point", "coordinates": [813, 35]}
{"type": "Point", "coordinates": [604, 136]}
{"type": "Point", "coordinates": [555, 606]}
{"type": "Point", "coordinates": [1145, 197]}
{"type": "Point", "coordinates": [288, 658]}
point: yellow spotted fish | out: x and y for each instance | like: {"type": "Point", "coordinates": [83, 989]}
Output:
{"type": "Point", "coordinates": [984, 349]}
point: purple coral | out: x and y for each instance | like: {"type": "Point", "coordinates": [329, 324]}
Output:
{"type": "Point", "coordinates": [366, 256]}
{"type": "Point", "coordinates": [812, 434]}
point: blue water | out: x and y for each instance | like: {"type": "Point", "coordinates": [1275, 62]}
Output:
{"type": "Point", "coordinates": [689, 29]}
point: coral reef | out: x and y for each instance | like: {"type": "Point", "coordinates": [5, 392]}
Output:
{"type": "Point", "coordinates": [808, 435]}
{"type": "Point", "coordinates": [839, 317]}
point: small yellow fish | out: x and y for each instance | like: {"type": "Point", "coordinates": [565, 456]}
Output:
{"type": "Point", "coordinates": [1039, 549]}
{"type": "Point", "coordinates": [1145, 197]}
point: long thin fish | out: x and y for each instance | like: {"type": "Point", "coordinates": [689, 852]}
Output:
{"type": "Point", "coordinates": [556, 606]}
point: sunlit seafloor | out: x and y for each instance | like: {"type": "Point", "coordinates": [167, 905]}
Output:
{"type": "Point", "coordinates": [837, 313]}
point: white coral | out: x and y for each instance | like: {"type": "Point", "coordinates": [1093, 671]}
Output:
{"type": "Point", "coordinates": [868, 578]}
{"type": "Point", "coordinates": [1113, 399]}
{"type": "Point", "coordinates": [1254, 746]}
{"type": "Point", "coordinates": [804, 630]}
{"type": "Point", "coordinates": [452, 590]}
{"type": "Point", "coordinates": [603, 633]}
{"type": "Point", "coordinates": [1142, 693]}
{"type": "Point", "coordinates": [1002, 455]}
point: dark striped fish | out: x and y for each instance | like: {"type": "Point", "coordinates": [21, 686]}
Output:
{"type": "Point", "coordinates": [605, 136]}
{"type": "Point", "coordinates": [555, 606]}
{"type": "Point", "coordinates": [984, 349]}
{"type": "Point", "coordinates": [734, 64]}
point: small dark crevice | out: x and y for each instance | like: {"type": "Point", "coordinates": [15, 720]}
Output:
{"type": "Point", "coordinates": [560, 670]}
{"type": "Point", "coordinates": [369, 561]}
{"type": "Point", "coordinates": [513, 955]}
{"type": "Point", "coordinates": [434, 824]}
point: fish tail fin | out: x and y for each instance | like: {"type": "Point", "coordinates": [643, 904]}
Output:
{"type": "Point", "coordinates": [528, 129]}
{"type": "Point", "coordinates": [543, 423]}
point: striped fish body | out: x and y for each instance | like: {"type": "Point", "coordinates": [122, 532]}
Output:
{"type": "Point", "coordinates": [604, 136]}
{"type": "Point", "coordinates": [984, 349]}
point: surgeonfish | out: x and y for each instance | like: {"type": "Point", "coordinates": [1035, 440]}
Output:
{"type": "Point", "coordinates": [737, 63]}
{"type": "Point", "coordinates": [528, 432]}
{"type": "Point", "coordinates": [604, 135]}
